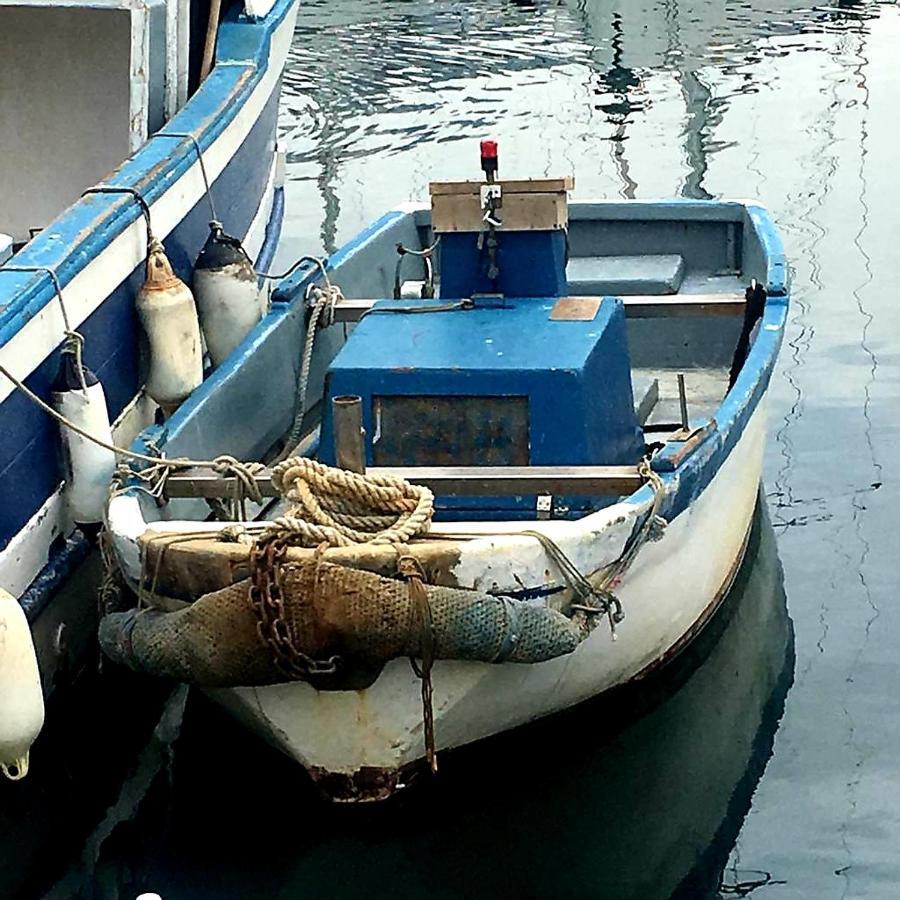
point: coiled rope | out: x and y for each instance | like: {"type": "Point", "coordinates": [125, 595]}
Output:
{"type": "Point", "coordinates": [342, 508]}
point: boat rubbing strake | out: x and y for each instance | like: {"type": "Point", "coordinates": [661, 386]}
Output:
{"type": "Point", "coordinates": [554, 443]}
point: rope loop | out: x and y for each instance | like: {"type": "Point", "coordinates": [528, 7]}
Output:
{"type": "Point", "coordinates": [342, 508]}
{"type": "Point", "coordinates": [244, 474]}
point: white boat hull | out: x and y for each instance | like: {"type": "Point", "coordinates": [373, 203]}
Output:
{"type": "Point", "coordinates": [360, 744]}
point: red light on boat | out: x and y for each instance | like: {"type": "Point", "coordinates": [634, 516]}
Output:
{"type": "Point", "coordinates": [488, 149]}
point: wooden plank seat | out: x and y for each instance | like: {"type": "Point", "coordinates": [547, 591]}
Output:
{"type": "Point", "coordinates": [622, 276]}
{"type": "Point", "coordinates": [636, 307]}
{"type": "Point", "coordinates": [471, 481]}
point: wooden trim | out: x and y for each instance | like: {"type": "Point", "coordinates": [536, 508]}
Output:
{"type": "Point", "coordinates": [520, 186]}
{"type": "Point", "coordinates": [636, 307]}
{"type": "Point", "coordinates": [458, 481]}
{"type": "Point", "coordinates": [670, 461]}
{"type": "Point", "coordinates": [684, 305]}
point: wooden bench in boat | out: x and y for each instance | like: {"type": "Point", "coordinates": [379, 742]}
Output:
{"type": "Point", "coordinates": [470, 481]}
{"type": "Point", "coordinates": [607, 276]}
{"type": "Point", "coordinates": [648, 306]}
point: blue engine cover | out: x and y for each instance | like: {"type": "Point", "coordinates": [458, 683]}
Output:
{"type": "Point", "coordinates": [493, 385]}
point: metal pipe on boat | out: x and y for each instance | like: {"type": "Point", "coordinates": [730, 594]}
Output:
{"type": "Point", "coordinates": [349, 434]}
{"type": "Point", "coordinates": [21, 697]}
{"type": "Point", "coordinates": [682, 401]}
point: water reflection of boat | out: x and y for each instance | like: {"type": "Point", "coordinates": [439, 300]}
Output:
{"type": "Point", "coordinates": [608, 800]}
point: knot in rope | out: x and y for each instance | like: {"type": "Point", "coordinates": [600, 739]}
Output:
{"type": "Point", "coordinates": [244, 474]}
{"type": "Point", "coordinates": [342, 508]}
{"type": "Point", "coordinates": [656, 524]}
{"type": "Point", "coordinates": [323, 300]}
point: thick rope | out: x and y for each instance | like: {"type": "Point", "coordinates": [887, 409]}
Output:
{"type": "Point", "coordinates": [323, 299]}
{"type": "Point", "coordinates": [342, 508]}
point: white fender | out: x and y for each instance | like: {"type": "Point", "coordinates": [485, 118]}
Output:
{"type": "Point", "coordinates": [88, 467]}
{"type": "Point", "coordinates": [227, 292]}
{"type": "Point", "coordinates": [21, 697]}
{"type": "Point", "coordinates": [167, 312]}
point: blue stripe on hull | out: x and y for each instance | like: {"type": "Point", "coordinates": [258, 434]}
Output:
{"type": "Point", "coordinates": [72, 552]}
{"type": "Point", "coordinates": [29, 454]}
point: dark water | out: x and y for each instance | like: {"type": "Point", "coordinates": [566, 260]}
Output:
{"type": "Point", "coordinates": [768, 762]}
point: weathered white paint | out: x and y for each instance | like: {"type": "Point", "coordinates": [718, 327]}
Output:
{"type": "Point", "coordinates": [256, 9]}
{"type": "Point", "coordinates": [26, 554]}
{"type": "Point", "coordinates": [670, 587]}
{"type": "Point", "coordinates": [177, 49]}
{"type": "Point", "coordinates": [92, 285]}
{"type": "Point", "coordinates": [666, 593]}
{"type": "Point", "coordinates": [6, 247]}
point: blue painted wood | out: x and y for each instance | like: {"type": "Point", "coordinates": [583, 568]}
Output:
{"type": "Point", "coordinates": [530, 263]}
{"type": "Point", "coordinates": [575, 374]}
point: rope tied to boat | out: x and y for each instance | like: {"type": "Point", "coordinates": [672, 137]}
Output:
{"type": "Point", "coordinates": [342, 508]}
{"type": "Point", "coordinates": [410, 569]}
{"type": "Point", "coordinates": [594, 595]}
{"type": "Point", "coordinates": [323, 300]}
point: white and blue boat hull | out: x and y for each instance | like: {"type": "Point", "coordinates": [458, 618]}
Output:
{"type": "Point", "coordinates": [97, 249]}
{"type": "Point", "coordinates": [363, 743]}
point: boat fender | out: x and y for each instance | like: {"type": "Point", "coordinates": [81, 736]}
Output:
{"type": "Point", "coordinates": [168, 314]}
{"type": "Point", "coordinates": [227, 291]}
{"type": "Point", "coordinates": [21, 698]}
{"type": "Point", "coordinates": [78, 395]}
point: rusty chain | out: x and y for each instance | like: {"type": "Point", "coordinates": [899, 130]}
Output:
{"type": "Point", "coordinates": [267, 602]}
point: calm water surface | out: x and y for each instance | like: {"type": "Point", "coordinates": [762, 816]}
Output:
{"type": "Point", "coordinates": [769, 761]}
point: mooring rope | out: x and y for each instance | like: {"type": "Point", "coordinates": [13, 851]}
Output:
{"type": "Point", "coordinates": [324, 299]}
{"type": "Point", "coordinates": [342, 508]}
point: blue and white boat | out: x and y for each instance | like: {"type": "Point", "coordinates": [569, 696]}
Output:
{"type": "Point", "coordinates": [113, 122]}
{"type": "Point", "coordinates": [530, 447]}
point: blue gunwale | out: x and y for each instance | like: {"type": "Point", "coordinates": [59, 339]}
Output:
{"type": "Point", "coordinates": [87, 227]}
{"type": "Point", "coordinates": [693, 472]}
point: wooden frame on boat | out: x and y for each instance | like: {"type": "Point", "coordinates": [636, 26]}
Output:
{"type": "Point", "coordinates": [468, 481]}
{"type": "Point", "coordinates": [636, 307]}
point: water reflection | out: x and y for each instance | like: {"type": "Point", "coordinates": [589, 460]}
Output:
{"type": "Point", "coordinates": [640, 795]}
{"type": "Point", "coordinates": [381, 97]}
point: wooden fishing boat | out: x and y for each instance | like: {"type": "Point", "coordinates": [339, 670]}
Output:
{"type": "Point", "coordinates": [516, 441]}
{"type": "Point", "coordinates": [120, 117]}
